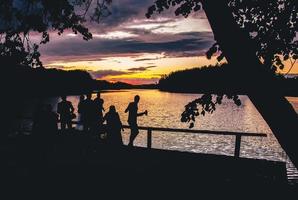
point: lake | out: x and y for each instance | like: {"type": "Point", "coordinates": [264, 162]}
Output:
{"type": "Point", "coordinates": [164, 110]}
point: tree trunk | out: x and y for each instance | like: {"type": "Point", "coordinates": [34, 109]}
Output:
{"type": "Point", "coordinates": [240, 52]}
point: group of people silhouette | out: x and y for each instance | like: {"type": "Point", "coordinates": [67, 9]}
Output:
{"type": "Point", "coordinates": [91, 117]}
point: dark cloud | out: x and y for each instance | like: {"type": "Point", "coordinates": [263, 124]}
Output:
{"type": "Point", "coordinates": [75, 47]}
{"type": "Point", "coordinates": [145, 59]}
{"type": "Point", "coordinates": [123, 11]}
{"type": "Point", "coordinates": [141, 69]}
{"type": "Point", "coordinates": [99, 74]}
{"type": "Point", "coordinates": [128, 10]}
{"type": "Point", "coordinates": [126, 14]}
{"type": "Point", "coordinates": [104, 73]}
{"type": "Point", "coordinates": [171, 46]}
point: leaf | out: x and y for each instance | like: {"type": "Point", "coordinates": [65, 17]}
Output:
{"type": "Point", "coordinates": [212, 50]}
{"type": "Point", "coordinates": [238, 102]}
{"type": "Point", "coordinates": [197, 7]}
{"type": "Point", "coordinates": [203, 113]}
{"type": "Point", "coordinates": [220, 57]}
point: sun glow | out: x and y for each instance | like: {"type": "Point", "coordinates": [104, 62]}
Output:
{"type": "Point", "coordinates": [145, 67]}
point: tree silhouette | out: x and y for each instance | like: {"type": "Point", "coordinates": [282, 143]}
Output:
{"type": "Point", "coordinates": [271, 24]}
{"type": "Point", "coordinates": [246, 31]}
{"type": "Point", "coordinates": [20, 17]}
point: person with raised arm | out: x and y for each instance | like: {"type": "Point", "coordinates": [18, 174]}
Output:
{"type": "Point", "coordinates": [133, 114]}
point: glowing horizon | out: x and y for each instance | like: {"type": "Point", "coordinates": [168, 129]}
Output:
{"type": "Point", "coordinates": [142, 69]}
{"type": "Point", "coordinates": [130, 48]}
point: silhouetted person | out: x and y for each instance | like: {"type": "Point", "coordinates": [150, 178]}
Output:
{"type": "Point", "coordinates": [133, 114]}
{"type": "Point", "coordinates": [45, 121]}
{"type": "Point", "coordinates": [44, 129]}
{"type": "Point", "coordinates": [99, 106]}
{"type": "Point", "coordinates": [114, 127]}
{"type": "Point", "coordinates": [65, 110]}
{"type": "Point", "coordinates": [88, 113]}
{"type": "Point", "coordinates": [81, 109]}
{"type": "Point", "coordinates": [99, 109]}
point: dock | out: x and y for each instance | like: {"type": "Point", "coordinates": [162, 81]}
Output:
{"type": "Point", "coordinates": [81, 163]}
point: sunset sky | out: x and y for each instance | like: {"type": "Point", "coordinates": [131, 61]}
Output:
{"type": "Point", "coordinates": [130, 48]}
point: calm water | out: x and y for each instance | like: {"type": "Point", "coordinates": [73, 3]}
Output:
{"type": "Point", "coordinates": [164, 110]}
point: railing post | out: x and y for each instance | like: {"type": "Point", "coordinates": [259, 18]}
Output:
{"type": "Point", "coordinates": [149, 138]}
{"type": "Point", "coordinates": [237, 145]}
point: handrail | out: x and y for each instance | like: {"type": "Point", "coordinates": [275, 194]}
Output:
{"type": "Point", "coordinates": [237, 134]}
{"type": "Point", "coordinates": [174, 130]}
{"type": "Point", "coordinates": [201, 131]}
{"type": "Point", "coordinates": [178, 130]}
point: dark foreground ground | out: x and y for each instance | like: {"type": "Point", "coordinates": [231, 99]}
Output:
{"type": "Point", "coordinates": [81, 167]}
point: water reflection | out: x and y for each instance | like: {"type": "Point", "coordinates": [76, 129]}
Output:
{"type": "Point", "coordinates": [164, 111]}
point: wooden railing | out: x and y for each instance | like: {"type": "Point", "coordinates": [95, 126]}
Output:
{"type": "Point", "coordinates": [238, 135]}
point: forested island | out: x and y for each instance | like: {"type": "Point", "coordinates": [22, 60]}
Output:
{"type": "Point", "coordinates": [52, 82]}
{"type": "Point", "coordinates": [218, 79]}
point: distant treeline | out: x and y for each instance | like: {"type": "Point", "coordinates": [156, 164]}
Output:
{"type": "Point", "coordinates": [52, 82]}
{"type": "Point", "coordinates": [106, 85]}
{"type": "Point", "coordinates": [217, 79]}
{"type": "Point", "coordinates": [48, 82]}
